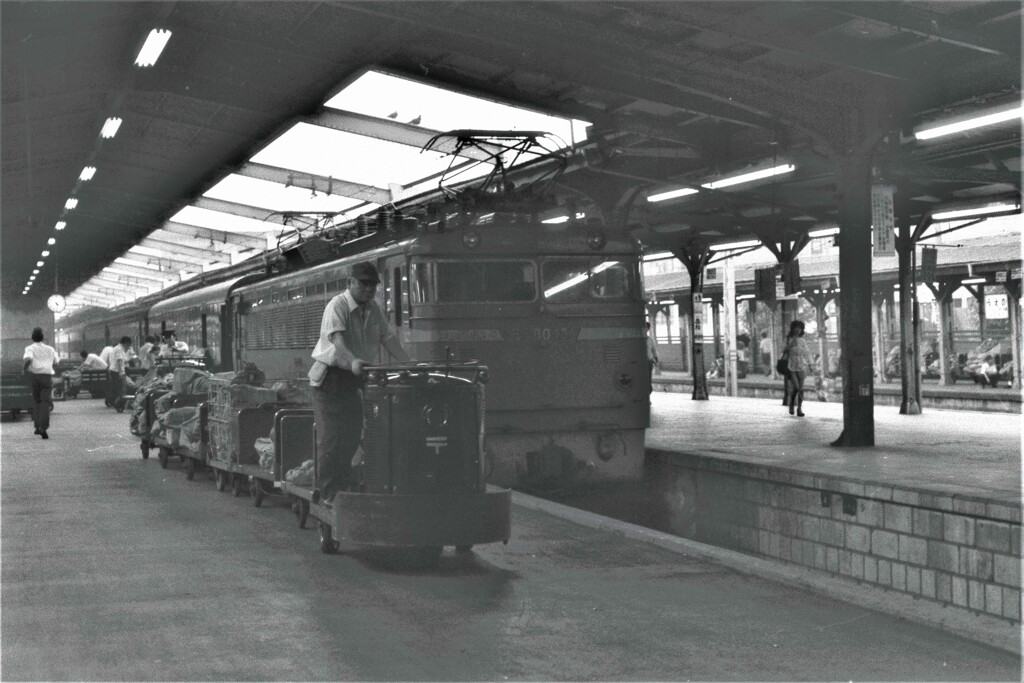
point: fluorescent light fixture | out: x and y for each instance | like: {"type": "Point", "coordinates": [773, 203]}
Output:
{"type": "Point", "coordinates": [827, 232]}
{"type": "Point", "coordinates": [582, 277]}
{"type": "Point", "coordinates": [974, 281]}
{"type": "Point", "coordinates": [742, 297]}
{"type": "Point", "coordinates": [109, 129]}
{"type": "Point", "coordinates": [748, 177]}
{"type": "Point", "coordinates": [60, 225]}
{"type": "Point", "coordinates": [970, 124]}
{"type": "Point", "coordinates": [39, 264]}
{"type": "Point", "coordinates": [87, 173]}
{"type": "Point", "coordinates": [561, 219]}
{"type": "Point", "coordinates": [977, 211]}
{"type": "Point", "coordinates": [735, 245]}
{"type": "Point", "coordinates": [51, 241]}
{"type": "Point", "coordinates": [45, 254]}
{"type": "Point", "coordinates": [672, 194]}
{"type": "Point", "coordinates": [31, 278]}
{"type": "Point", "coordinates": [35, 271]}
{"type": "Point", "coordinates": [71, 204]}
{"type": "Point", "coordinates": [151, 49]}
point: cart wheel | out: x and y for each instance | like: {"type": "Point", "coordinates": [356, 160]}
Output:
{"type": "Point", "coordinates": [73, 393]}
{"type": "Point", "coordinates": [107, 402]}
{"type": "Point", "coordinates": [238, 485]}
{"type": "Point", "coordinates": [119, 405]}
{"type": "Point", "coordinates": [220, 480]}
{"type": "Point", "coordinates": [303, 512]}
{"type": "Point", "coordinates": [164, 454]}
{"type": "Point", "coordinates": [145, 450]}
{"type": "Point", "coordinates": [463, 548]}
{"type": "Point", "coordinates": [256, 491]}
{"type": "Point", "coordinates": [328, 545]}
{"type": "Point", "coordinates": [190, 469]}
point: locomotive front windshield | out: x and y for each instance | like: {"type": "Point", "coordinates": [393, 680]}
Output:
{"type": "Point", "coordinates": [578, 280]}
{"type": "Point", "coordinates": [474, 281]}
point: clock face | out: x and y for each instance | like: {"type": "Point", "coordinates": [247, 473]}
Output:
{"type": "Point", "coordinates": [56, 303]}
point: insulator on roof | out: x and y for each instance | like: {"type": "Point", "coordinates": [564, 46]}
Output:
{"type": "Point", "coordinates": [361, 226]}
{"type": "Point", "coordinates": [383, 219]}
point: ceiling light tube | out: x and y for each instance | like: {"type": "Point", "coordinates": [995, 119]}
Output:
{"type": "Point", "coordinates": [87, 173]}
{"type": "Point", "coordinates": [735, 245]}
{"type": "Point", "coordinates": [35, 271]}
{"type": "Point", "coordinates": [151, 49]}
{"type": "Point", "coordinates": [39, 264]}
{"type": "Point", "coordinates": [826, 232]}
{"type": "Point", "coordinates": [970, 124]}
{"type": "Point", "coordinates": [974, 281]}
{"type": "Point", "coordinates": [109, 129]}
{"type": "Point", "coordinates": [60, 225]}
{"type": "Point", "coordinates": [672, 194]}
{"type": "Point", "coordinates": [71, 204]}
{"type": "Point", "coordinates": [749, 177]}
{"type": "Point", "coordinates": [976, 211]}
{"type": "Point", "coordinates": [45, 253]}
{"type": "Point", "coordinates": [51, 241]}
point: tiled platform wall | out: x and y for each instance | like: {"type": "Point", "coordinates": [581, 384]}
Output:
{"type": "Point", "coordinates": [961, 552]}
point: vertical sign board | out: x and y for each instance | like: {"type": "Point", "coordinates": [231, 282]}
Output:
{"type": "Point", "coordinates": [929, 261]}
{"type": "Point", "coordinates": [883, 220]}
{"type": "Point", "coordinates": [996, 307]}
{"type": "Point", "coordinates": [698, 319]}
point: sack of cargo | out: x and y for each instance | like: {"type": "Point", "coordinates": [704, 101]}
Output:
{"type": "Point", "coordinates": [265, 449]}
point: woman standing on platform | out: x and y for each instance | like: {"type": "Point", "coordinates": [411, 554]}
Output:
{"type": "Point", "coordinates": [797, 357]}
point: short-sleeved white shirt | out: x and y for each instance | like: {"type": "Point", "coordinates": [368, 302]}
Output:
{"type": "Point", "coordinates": [363, 329]}
{"type": "Point", "coordinates": [43, 358]}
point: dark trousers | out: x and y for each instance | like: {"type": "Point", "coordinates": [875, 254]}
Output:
{"type": "Point", "coordinates": [338, 412]}
{"type": "Point", "coordinates": [42, 400]}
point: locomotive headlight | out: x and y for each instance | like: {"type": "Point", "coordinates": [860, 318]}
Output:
{"type": "Point", "coordinates": [436, 415]}
{"type": "Point", "coordinates": [624, 380]}
{"type": "Point", "coordinates": [471, 239]}
{"type": "Point", "coordinates": [596, 239]}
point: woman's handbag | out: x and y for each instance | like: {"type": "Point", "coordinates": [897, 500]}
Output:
{"type": "Point", "coordinates": [782, 366]}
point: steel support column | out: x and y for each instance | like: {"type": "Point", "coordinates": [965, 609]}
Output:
{"type": "Point", "coordinates": [943, 299]}
{"type": "Point", "coordinates": [910, 403]}
{"type": "Point", "coordinates": [854, 241]}
{"type": "Point", "coordinates": [695, 258]}
{"type": "Point", "coordinates": [1013, 293]}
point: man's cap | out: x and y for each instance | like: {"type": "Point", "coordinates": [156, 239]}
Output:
{"type": "Point", "coordinates": [364, 270]}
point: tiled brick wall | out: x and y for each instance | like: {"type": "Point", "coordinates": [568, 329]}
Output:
{"type": "Point", "coordinates": [962, 552]}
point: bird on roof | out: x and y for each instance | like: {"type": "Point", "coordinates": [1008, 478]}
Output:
{"type": "Point", "coordinates": [416, 121]}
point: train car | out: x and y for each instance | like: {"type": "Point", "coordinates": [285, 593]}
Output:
{"type": "Point", "coordinates": [203, 319]}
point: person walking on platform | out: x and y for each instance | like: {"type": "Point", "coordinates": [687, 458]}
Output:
{"type": "Point", "coordinates": [39, 361]}
{"type": "Point", "coordinates": [652, 357]}
{"type": "Point", "coordinates": [765, 347]}
{"type": "Point", "coordinates": [797, 360]}
{"type": "Point", "coordinates": [352, 330]}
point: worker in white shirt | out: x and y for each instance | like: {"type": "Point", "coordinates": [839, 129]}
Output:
{"type": "Point", "coordinates": [39, 361]}
{"type": "Point", "coordinates": [90, 361]}
{"type": "Point", "coordinates": [118, 365]}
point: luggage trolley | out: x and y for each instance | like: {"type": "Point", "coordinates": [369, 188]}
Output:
{"type": "Point", "coordinates": [422, 477]}
{"type": "Point", "coordinates": [236, 415]}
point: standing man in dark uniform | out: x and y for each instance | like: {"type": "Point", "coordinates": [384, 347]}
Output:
{"type": "Point", "coordinates": [351, 333]}
{"type": "Point", "coordinates": [39, 361]}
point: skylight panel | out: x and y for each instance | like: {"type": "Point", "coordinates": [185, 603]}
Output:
{"type": "Point", "coordinates": [350, 157]}
{"type": "Point", "coordinates": [225, 222]}
{"type": "Point", "coordinates": [390, 97]}
{"type": "Point", "coordinates": [277, 197]}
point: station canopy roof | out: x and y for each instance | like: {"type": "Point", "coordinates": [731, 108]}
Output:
{"type": "Point", "coordinates": [261, 122]}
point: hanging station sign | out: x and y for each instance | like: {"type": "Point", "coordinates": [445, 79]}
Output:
{"type": "Point", "coordinates": [883, 220]}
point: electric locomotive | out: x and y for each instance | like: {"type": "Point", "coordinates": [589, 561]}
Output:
{"type": "Point", "coordinates": [554, 309]}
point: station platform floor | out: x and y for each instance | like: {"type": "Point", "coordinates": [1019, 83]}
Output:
{"type": "Point", "coordinates": [953, 452]}
{"type": "Point", "coordinates": [116, 569]}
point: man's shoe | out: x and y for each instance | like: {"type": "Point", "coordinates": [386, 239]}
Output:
{"type": "Point", "coordinates": [44, 434]}
{"type": "Point", "coordinates": [37, 430]}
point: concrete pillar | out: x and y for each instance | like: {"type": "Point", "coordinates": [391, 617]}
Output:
{"type": "Point", "coordinates": [943, 299]}
{"type": "Point", "coordinates": [878, 325]}
{"type": "Point", "coordinates": [854, 242]}
{"type": "Point", "coordinates": [716, 322]}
